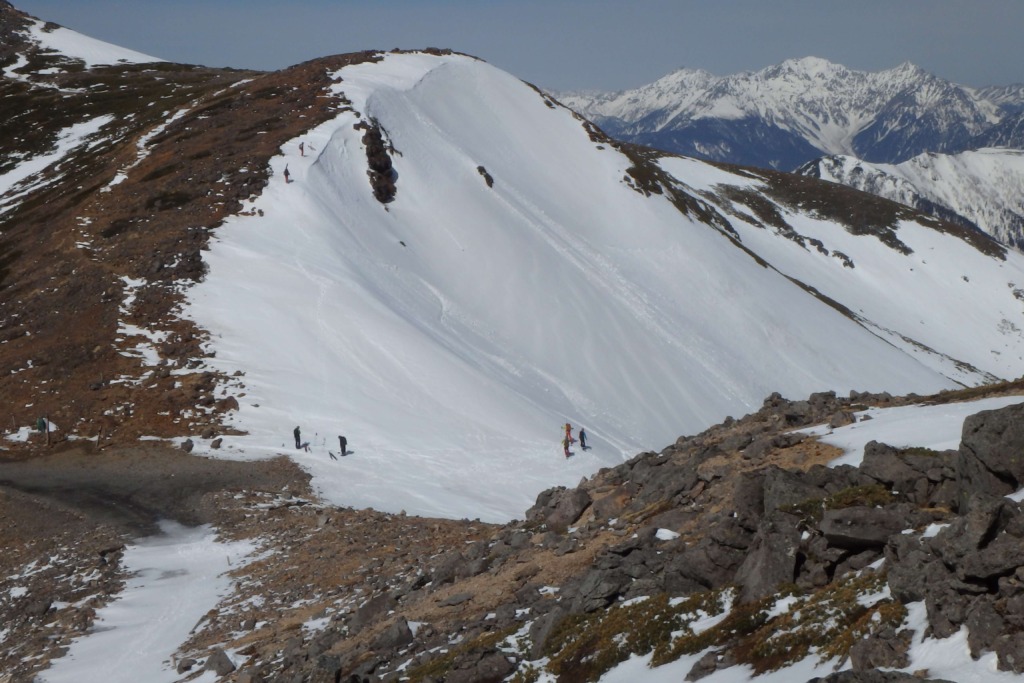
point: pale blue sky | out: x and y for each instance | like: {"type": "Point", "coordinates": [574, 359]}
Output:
{"type": "Point", "coordinates": [571, 44]}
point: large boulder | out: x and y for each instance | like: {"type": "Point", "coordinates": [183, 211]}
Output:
{"type": "Point", "coordinates": [599, 589]}
{"type": "Point", "coordinates": [219, 663]}
{"type": "Point", "coordinates": [888, 649]}
{"type": "Point", "coordinates": [860, 527]}
{"type": "Point", "coordinates": [394, 636]}
{"type": "Point", "coordinates": [783, 488]}
{"type": "Point", "coordinates": [991, 459]}
{"type": "Point", "coordinates": [922, 479]}
{"type": "Point", "coordinates": [771, 559]}
{"type": "Point", "coordinates": [480, 667]}
{"type": "Point", "coordinates": [559, 508]}
{"type": "Point", "coordinates": [706, 564]}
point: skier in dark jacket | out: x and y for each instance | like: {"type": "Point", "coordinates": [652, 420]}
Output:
{"type": "Point", "coordinates": [583, 439]}
{"type": "Point", "coordinates": [298, 439]}
{"type": "Point", "coordinates": [343, 442]}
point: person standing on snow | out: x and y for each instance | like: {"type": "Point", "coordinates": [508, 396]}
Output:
{"type": "Point", "coordinates": [343, 442]}
{"type": "Point", "coordinates": [565, 447]}
{"type": "Point", "coordinates": [568, 433]}
{"type": "Point", "coordinates": [287, 175]}
{"type": "Point", "coordinates": [583, 439]}
{"type": "Point", "coordinates": [298, 438]}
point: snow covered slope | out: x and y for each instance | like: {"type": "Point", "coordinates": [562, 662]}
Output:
{"type": "Point", "coordinates": [785, 115]}
{"type": "Point", "coordinates": [984, 187]}
{"type": "Point", "coordinates": [44, 49]}
{"type": "Point", "coordinates": [530, 273]}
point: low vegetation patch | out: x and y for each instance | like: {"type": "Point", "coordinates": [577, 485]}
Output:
{"type": "Point", "coordinates": [872, 495]}
{"type": "Point", "coordinates": [766, 635]}
{"type": "Point", "coordinates": [439, 667]}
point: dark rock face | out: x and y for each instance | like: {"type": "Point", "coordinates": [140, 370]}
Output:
{"type": "Point", "coordinates": [861, 528]}
{"type": "Point", "coordinates": [559, 508]}
{"type": "Point", "coordinates": [886, 650]}
{"type": "Point", "coordinates": [487, 667]}
{"type": "Point", "coordinates": [991, 461]}
{"type": "Point", "coordinates": [396, 635]}
{"type": "Point", "coordinates": [926, 480]}
{"type": "Point", "coordinates": [219, 663]}
{"type": "Point", "coordinates": [771, 559]}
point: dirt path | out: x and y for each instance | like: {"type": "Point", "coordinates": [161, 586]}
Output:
{"type": "Point", "coordinates": [133, 488]}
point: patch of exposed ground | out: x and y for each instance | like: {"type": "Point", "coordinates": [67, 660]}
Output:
{"type": "Point", "coordinates": [65, 518]}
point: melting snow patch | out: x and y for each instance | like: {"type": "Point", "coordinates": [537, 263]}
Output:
{"type": "Point", "coordinates": [177, 577]}
{"type": "Point", "coordinates": [316, 625]}
{"type": "Point", "coordinates": [936, 427]}
{"type": "Point", "coordinates": [27, 176]}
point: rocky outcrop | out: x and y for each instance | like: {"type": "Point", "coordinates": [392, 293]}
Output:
{"type": "Point", "coordinates": [991, 461]}
{"type": "Point", "coordinates": [809, 527]}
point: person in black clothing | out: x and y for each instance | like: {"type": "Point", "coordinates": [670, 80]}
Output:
{"type": "Point", "coordinates": [298, 439]}
{"type": "Point", "coordinates": [343, 442]}
{"type": "Point", "coordinates": [583, 439]}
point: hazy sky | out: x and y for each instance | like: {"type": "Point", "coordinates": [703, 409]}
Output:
{"type": "Point", "coordinates": [571, 44]}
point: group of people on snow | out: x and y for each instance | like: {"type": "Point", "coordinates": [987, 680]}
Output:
{"type": "Point", "coordinates": [301, 445]}
{"type": "Point", "coordinates": [569, 440]}
{"type": "Point", "coordinates": [302, 153]}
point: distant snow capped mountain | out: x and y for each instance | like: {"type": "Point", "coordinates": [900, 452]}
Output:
{"type": "Point", "coordinates": [1007, 133]}
{"type": "Point", "coordinates": [788, 114]}
{"type": "Point", "coordinates": [1010, 98]}
{"type": "Point", "coordinates": [983, 188]}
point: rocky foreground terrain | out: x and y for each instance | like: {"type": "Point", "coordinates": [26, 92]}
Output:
{"type": "Point", "coordinates": [743, 514]}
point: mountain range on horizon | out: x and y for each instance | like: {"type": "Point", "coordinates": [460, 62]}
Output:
{"type": "Point", "coordinates": [816, 117]}
{"type": "Point", "coordinates": [786, 115]}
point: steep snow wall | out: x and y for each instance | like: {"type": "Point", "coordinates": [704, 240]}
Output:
{"type": "Point", "coordinates": [452, 332]}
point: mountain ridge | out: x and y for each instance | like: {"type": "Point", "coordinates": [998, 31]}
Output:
{"type": "Point", "coordinates": [979, 189]}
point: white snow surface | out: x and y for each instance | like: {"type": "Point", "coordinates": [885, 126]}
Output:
{"type": "Point", "coordinates": [937, 427]}
{"type": "Point", "coordinates": [74, 45]}
{"type": "Point", "coordinates": [451, 334]}
{"type": "Point", "coordinates": [177, 577]}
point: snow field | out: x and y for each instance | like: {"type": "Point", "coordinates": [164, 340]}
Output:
{"type": "Point", "coordinates": [450, 334]}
